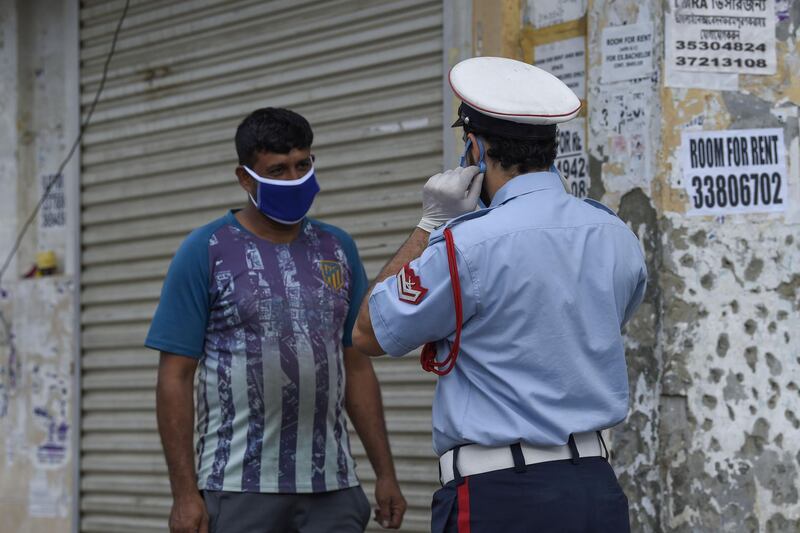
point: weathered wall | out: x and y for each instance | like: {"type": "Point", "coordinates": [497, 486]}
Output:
{"type": "Point", "coordinates": [730, 406]}
{"type": "Point", "coordinates": [36, 473]}
{"type": "Point", "coordinates": [8, 182]}
{"type": "Point", "coordinates": [8, 125]}
{"type": "Point", "coordinates": [624, 115]}
{"type": "Point", "coordinates": [38, 114]}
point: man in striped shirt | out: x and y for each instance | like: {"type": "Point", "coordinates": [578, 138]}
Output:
{"type": "Point", "coordinates": [260, 303]}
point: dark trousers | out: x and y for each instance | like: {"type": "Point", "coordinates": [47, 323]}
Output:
{"type": "Point", "coordinates": [571, 496]}
{"type": "Point", "coordinates": [342, 511]}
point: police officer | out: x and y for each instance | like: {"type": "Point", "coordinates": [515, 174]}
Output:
{"type": "Point", "coordinates": [520, 305]}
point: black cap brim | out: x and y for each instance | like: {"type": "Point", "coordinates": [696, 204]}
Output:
{"type": "Point", "coordinates": [480, 123]}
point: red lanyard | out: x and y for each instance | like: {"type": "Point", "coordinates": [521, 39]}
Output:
{"type": "Point", "coordinates": [428, 357]}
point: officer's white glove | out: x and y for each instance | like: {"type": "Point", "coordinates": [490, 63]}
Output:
{"type": "Point", "coordinates": [448, 195]}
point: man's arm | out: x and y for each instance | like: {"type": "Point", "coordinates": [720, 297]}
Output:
{"type": "Point", "coordinates": [444, 197]}
{"type": "Point", "coordinates": [175, 413]}
{"type": "Point", "coordinates": [364, 405]}
{"type": "Point", "coordinates": [363, 334]}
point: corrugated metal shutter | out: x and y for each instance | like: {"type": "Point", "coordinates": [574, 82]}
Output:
{"type": "Point", "coordinates": [158, 161]}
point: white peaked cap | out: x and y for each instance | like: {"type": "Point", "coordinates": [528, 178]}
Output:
{"type": "Point", "coordinates": [512, 91]}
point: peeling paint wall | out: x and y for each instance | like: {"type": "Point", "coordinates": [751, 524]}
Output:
{"type": "Point", "coordinates": [495, 27]}
{"type": "Point", "coordinates": [730, 424]}
{"type": "Point", "coordinates": [37, 429]}
{"type": "Point", "coordinates": [38, 115]}
{"type": "Point", "coordinates": [624, 140]}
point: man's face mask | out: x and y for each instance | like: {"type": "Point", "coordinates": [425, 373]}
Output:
{"type": "Point", "coordinates": [285, 201]}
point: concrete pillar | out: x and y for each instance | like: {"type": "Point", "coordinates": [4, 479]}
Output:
{"type": "Point", "coordinates": [624, 119]}
{"type": "Point", "coordinates": [8, 125]}
{"type": "Point", "coordinates": [730, 409]}
{"type": "Point", "coordinates": [39, 114]}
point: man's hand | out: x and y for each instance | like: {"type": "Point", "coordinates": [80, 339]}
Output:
{"type": "Point", "coordinates": [391, 504]}
{"type": "Point", "coordinates": [448, 195]}
{"type": "Point", "coordinates": [188, 515]}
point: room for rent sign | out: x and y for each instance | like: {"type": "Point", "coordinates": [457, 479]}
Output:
{"type": "Point", "coordinates": [734, 171]}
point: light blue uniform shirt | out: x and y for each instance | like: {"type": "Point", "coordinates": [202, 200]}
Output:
{"type": "Point", "coordinates": [547, 282]}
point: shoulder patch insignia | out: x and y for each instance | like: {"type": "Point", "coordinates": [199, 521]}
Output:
{"type": "Point", "coordinates": [332, 274]}
{"type": "Point", "coordinates": [409, 286]}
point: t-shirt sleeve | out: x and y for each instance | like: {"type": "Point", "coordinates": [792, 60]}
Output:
{"type": "Point", "coordinates": [416, 306]}
{"type": "Point", "coordinates": [180, 320]}
{"type": "Point", "coordinates": [358, 288]}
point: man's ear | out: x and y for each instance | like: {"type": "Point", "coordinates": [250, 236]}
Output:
{"type": "Point", "coordinates": [245, 180]}
{"type": "Point", "coordinates": [473, 149]}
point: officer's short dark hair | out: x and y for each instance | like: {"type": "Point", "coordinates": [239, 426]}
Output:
{"type": "Point", "coordinates": [526, 155]}
{"type": "Point", "coordinates": [271, 129]}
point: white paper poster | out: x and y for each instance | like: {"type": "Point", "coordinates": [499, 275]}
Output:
{"type": "Point", "coordinates": [734, 36]}
{"type": "Point", "coordinates": [566, 60]}
{"type": "Point", "coordinates": [621, 117]}
{"type": "Point", "coordinates": [572, 161]}
{"type": "Point", "coordinates": [53, 211]}
{"type": "Point", "coordinates": [623, 110]}
{"type": "Point", "coordinates": [714, 81]}
{"type": "Point", "coordinates": [734, 171]}
{"type": "Point", "coordinates": [543, 13]}
{"type": "Point", "coordinates": [627, 52]}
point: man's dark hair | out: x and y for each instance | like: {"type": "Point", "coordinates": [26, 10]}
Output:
{"type": "Point", "coordinates": [526, 155]}
{"type": "Point", "coordinates": [271, 129]}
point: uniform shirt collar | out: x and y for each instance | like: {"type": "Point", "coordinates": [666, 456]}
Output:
{"type": "Point", "coordinates": [527, 183]}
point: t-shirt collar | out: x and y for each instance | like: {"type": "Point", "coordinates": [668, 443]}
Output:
{"type": "Point", "coordinates": [230, 217]}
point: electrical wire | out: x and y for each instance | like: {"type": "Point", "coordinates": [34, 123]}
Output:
{"type": "Point", "coordinates": [57, 176]}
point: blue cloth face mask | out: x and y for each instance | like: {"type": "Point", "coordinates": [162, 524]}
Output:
{"type": "Point", "coordinates": [286, 202]}
{"type": "Point", "coordinates": [481, 162]}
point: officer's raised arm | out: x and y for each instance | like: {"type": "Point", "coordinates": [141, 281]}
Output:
{"type": "Point", "coordinates": [414, 288]}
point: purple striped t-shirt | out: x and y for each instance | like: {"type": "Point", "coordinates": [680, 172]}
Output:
{"type": "Point", "coordinates": [268, 323]}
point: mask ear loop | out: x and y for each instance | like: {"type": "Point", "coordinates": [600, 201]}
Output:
{"type": "Point", "coordinates": [481, 162]}
{"type": "Point", "coordinates": [481, 149]}
{"type": "Point", "coordinates": [258, 189]}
